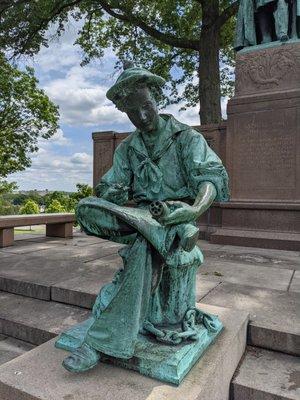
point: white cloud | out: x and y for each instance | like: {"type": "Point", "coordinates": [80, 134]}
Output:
{"type": "Point", "coordinates": [54, 172]}
{"type": "Point", "coordinates": [81, 159]}
{"type": "Point", "coordinates": [58, 139]}
{"type": "Point", "coordinates": [189, 116]}
{"type": "Point", "coordinates": [62, 53]}
{"type": "Point", "coordinates": [82, 100]}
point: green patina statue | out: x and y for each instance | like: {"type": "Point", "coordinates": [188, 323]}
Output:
{"type": "Point", "coordinates": [265, 21]}
{"type": "Point", "coordinates": [146, 318]}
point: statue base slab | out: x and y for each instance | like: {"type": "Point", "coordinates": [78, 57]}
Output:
{"type": "Point", "coordinates": [168, 363]}
{"type": "Point", "coordinates": [263, 151]}
{"type": "Point", "coordinates": [269, 45]}
{"type": "Point", "coordinates": [38, 374]}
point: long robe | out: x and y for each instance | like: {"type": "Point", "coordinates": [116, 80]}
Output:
{"type": "Point", "coordinates": [155, 291]}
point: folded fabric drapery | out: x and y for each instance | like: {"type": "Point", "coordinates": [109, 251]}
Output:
{"type": "Point", "coordinates": [129, 305]}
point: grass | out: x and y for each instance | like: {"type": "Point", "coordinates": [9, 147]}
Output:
{"type": "Point", "coordinates": [34, 229]}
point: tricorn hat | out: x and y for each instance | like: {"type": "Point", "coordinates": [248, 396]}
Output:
{"type": "Point", "coordinates": [129, 79]}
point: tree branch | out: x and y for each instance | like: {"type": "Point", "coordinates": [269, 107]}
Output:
{"type": "Point", "coordinates": [227, 13]}
{"type": "Point", "coordinates": [183, 43]}
{"type": "Point", "coordinates": [44, 22]}
{"type": "Point", "coordinates": [7, 4]}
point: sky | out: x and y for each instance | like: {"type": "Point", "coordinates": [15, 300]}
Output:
{"type": "Point", "coordinates": [67, 158]}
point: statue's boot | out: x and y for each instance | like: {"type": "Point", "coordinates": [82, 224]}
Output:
{"type": "Point", "coordinates": [284, 37]}
{"type": "Point", "coordinates": [82, 359]}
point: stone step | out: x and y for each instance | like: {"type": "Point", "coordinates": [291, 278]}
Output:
{"type": "Point", "coordinates": [71, 281]}
{"type": "Point", "coordinates": [252, 238]}
{"type": "Point", "coordinates": [254, 256]}
{"type": "Point", "coordinates": [37, 274]}
{"type": "Point", "coordinates": [36, 321]}
{"type": "Point", "coordinates": [38, 375]}
{"type": "Point", "coordinates": [274, 314]}
{"type": "Point", "coordinates": [61, 276]}
{"type": "Point", "coordinates": [266, 375]}
{"type": "Point", "coordinates": [11, 348]}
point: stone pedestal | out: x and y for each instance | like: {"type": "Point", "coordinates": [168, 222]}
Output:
{"type": "Point", "coordinates": [38, 375]}
{"type": "Point", "coordinates": [263, 150]}
{"type": "Point", "coordinates": [167, 363]}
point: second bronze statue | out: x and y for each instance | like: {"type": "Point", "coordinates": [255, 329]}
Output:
{"type": "Point", "coordinates": [265, 21]}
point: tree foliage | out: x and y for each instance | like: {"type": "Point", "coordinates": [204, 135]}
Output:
{"type": "Point", "coordinates": [183, 41]}
{"type": "Point", "coordinates": [30, 207]}
{"type": "Point", "coordinates": [55, 207]}
{"type": "Point", "coordinates": [66, 200]}
{"type": "Point", "coordinates": [26, 114]}
{"type": "Point", "coordinates": [6, 206]}
{"type": "Point", "coordinates": [7, 187]}
{"type": "Point", "coordinates": [83, 190]}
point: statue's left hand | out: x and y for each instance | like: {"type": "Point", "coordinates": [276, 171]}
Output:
{"type": "Point", "coordinates": [183, 213]}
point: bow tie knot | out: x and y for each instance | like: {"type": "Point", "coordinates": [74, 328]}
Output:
{"type": "Point", "coordinates": [150, 175]}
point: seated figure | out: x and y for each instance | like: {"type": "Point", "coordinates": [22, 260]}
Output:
{"type": "Point", "coordinates": [173, 176]}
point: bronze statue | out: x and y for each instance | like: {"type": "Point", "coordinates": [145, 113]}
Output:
{"type": "Point", "coordinates": [173, 176]}
{"type": "Point", "coordinates": [265, 21]}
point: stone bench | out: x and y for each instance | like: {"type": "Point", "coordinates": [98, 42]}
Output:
{"type": "Point", "coordinates": [57, 225]}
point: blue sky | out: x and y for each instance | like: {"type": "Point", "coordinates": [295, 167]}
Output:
{"type": "Point", "coordinates": [67, 158]}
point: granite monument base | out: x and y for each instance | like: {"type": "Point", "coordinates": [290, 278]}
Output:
{"type": "Point", "coordinates": [263, 151]}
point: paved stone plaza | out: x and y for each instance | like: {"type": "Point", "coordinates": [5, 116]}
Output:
{"type": "Point", "coordinates": [49, 284]}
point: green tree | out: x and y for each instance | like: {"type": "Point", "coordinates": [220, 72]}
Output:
{"type": "Point", "coordinates": [18, 199]}
{"type": "Point", "coordinates": [26, 114]}
{"type": "Point", "coordinates": [30, 207]}
{"type": "Point", "coordinates": [55, 207]}
{"type": "Point", "coordinates": [6, 191]}
{"type": "Point", "coordinates": [7, 187]}
{"type": "Point", "coordinates": [35, 196]}
{"type": "Point", "coordinates": [189, 36]}
{"type": "Point", "coordinates": [61, 197]}
{"type": "Point", "coordinates": [83, 190]}
{"type": "Point", "coordinates": [7, 208]}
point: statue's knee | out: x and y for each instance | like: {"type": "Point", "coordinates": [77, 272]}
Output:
{"type": "Point", "coordinates": [81, 209]}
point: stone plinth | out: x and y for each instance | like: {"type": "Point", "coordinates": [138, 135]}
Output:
{"type": "Point", "coordinates": [263, 146]}
{"type": "Point", "coordinates": [263, 150]}
{"type": "Point", "coordinates": [39, 374]}
{"type": "Point", "coordinates": [167, 363]}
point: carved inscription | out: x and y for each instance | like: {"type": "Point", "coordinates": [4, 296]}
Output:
{"type": "Point", "coordinates": [266, 152]}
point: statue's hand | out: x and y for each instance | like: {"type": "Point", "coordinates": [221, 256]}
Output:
{"type": "Point", "coordinates": [116, 194]}
{"type": "Point", "coordinates": [183, 213]}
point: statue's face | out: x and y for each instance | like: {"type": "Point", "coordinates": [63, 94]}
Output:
{"type": "Point", "coordinates": [142, 110]}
